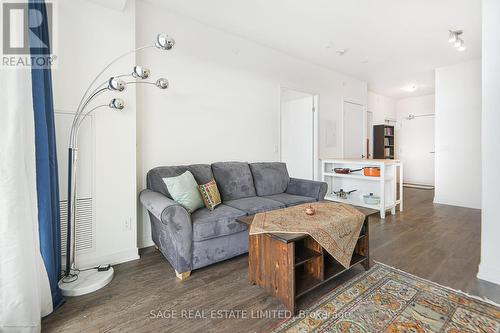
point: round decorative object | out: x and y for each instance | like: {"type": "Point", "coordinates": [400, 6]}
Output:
{"type": "Point", "coordinates": [310, 210]}
{"type": "Point", "coordinates": [141, 72]}
{"type": "Point", "coordinates": [116, 84]}
{"type": "Point", "coordinates": [164, 42]}
{"type": "Point", "coordinates": [87, 282]}
{"type": "Point", "coordinates": [162, 83]}
{"type": "Point", "coordinates": [117, 103]}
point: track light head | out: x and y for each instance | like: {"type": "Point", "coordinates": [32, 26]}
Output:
{"type": "Point", "coordinates": [454, 38]}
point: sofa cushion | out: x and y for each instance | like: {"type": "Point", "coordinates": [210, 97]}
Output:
{"type": "Point", "coordinates": [202, 174]}
{"type": "Point", "coordinates": [218, 222]}
{"type": "Point", "coordinates": [234, 180]}
{"type": "Point", "coordinates": [253, 205]}
{"type": "Point", "coordinates": [269, 177]}
{"type": "Point", "coordinates": [290, 199]}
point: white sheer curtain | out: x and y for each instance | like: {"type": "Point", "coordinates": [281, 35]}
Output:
{"type": "Point", "coordinates": [24, 286]}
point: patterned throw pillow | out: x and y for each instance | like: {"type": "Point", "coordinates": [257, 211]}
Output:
{"type": "Point", "coordinates": [210, 194]}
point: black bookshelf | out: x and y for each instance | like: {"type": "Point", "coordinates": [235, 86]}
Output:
{"type": "Point", "coordinates": [384, 142]}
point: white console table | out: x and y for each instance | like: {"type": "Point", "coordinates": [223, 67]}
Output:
{"type": "Point", "coordinates": [385, 186]}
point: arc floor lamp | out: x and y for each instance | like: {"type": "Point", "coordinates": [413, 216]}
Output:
{"type": "Point", "coordinates": [76, 281]}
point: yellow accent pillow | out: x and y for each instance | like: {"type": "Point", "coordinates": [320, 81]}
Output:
{"type": "Point", "coordinates": [210, 194]}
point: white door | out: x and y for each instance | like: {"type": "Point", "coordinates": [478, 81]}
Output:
{"type": "Point", "coordinates": [297, 136]}
{"type": "Point", "coordinates": [417, 150]}
{"type": "Point", "coordinates": [353, 131]}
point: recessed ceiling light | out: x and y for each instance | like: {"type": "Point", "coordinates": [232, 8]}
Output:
{"type": "Point", "coordinates": [409, 88]}
{"type": "Point", "coordinates": [329, 45]}
{"type": "Point", "coordinates": [341, 52]}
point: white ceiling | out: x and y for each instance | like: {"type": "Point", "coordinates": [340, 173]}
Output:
{"type": "Point", "coordinates": [402, 41]}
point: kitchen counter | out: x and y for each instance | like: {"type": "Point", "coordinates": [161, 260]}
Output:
{"type": "Point", "coordinates": [384, 186]}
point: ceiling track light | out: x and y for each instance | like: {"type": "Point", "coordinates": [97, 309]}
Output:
{"type": "Point", "coordinates": [455, 39]}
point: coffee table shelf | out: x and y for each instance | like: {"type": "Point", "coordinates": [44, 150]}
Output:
{"type": "Point", "coordinates": [305, 255]}
{"type": "Point", "coordinates": [306, 282]}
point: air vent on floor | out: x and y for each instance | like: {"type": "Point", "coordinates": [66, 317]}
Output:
{"type": "Point", "coordinates": [84, 224]}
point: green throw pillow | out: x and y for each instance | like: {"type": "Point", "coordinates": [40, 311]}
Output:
{"type": "Point", "coordinates": [184, 190]}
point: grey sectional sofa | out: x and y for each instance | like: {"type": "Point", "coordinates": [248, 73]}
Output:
{"type": "Point", "coordinates": [191, 241]}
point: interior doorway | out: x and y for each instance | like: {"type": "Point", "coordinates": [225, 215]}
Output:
{"type": "Point", "coordinates": [417, 149]}
{"type": "Point", "coordinates": [298, 132]}
{"type": "Point", "coordinates": [353, 131]}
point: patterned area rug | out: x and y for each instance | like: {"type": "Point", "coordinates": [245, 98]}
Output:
{"type": "Point", "coordinates": [388, 300]}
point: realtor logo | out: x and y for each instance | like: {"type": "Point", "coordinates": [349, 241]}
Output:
{"type": "Point", "coordinates": [25, 40]}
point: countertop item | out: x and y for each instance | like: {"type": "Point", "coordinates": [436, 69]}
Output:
{"type": "Point", "coordinates": [343, 194]}
{"type": "Point", "coordinates": [371, 171]}
{"type": "Point", "coordinates": [345, 171]}
{"type": "Point", "coordinates": [371, 199]}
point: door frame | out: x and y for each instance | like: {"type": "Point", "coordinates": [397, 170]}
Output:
{"type": "Point", "coordinates": [316, 97]}
{"type": "Point", "coordinates": [365, 109]}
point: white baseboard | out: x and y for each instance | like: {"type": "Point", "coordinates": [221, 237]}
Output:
{"type": "Point", "coordinates": [145, 242]}
{"type": "Point", "coordinates": [489, 273]}
{"type": "Point", "coordinates": [85, 260]}
{"type": "Point", "coordinates": [454, 203]}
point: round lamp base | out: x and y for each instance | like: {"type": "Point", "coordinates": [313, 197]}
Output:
{"type": "Point", "coordinates": [87, 282]}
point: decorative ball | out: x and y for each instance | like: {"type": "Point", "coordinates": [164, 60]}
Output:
{"type": "Point", "coordinates": [310, 210]}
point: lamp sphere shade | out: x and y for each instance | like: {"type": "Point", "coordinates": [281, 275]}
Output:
{"type": "Point", "coordinates": [117, 103]}
{"type": "Point", "coordinates": [162, 83]}
{"type": "Point", "coordinates": [164, 42]}
{"type": "Point", "coordinates": [141, 72]}
{"type": "Point", "coordinates": [116, 84]}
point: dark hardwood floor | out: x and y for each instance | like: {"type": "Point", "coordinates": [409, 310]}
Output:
{"type": "Point", "coordinates": [437, 242]}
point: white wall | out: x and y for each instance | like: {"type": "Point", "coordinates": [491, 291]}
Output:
{"type": "Point", "coordinates": [224, 99]}
{"type": "Point", "coordinates": [489, 269]}
{"type": "Point", "coordinates": [419, 105]}
{"type": "Point", "coordinates": [382, 108]}
{"type": "Point", "coordinates": [410, 134]}
{"type": "Point", "coordinates": [84, 48]}
{"type": "Point", "coordinates": [458, 135]}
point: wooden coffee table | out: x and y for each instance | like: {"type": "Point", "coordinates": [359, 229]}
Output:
{"type": "Point", "coordinates": [289, 266]}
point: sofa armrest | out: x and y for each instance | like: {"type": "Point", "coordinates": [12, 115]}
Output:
{"type": "Point", "coordinates": [173, 232]}
{"type": "Point", "coordinates": [156, 203]}
{"type": "Point", "coordinates": [307, 188]}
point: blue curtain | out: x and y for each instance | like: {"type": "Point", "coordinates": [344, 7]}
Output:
{"type": "Point", "coordinates": [46, 157]}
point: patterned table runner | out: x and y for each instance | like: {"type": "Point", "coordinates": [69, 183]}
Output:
{"type": "Point", "coordinates": [334, 226]}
